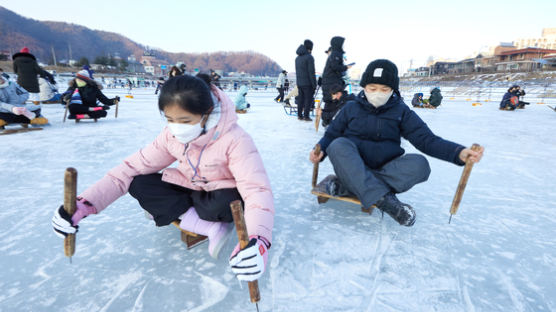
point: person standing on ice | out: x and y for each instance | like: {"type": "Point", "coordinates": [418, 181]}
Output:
{"type": "Point", "coordinates": [27, 69]}
{"type": "Point", "coordinates": [217, 164]}
{"type": "Point", "coordinates": [280, 86]}
{"type": "Point", "coordinates": [333, 74]}
{"type": "Point", "coordinates": [83, 93]}
{"type": "Point", "coordinates": [305, 79]}
{"type": "Point", "coordinates": [363, 144]}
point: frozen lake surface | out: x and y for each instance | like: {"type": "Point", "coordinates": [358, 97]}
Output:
{"type": "Point", "coordinates": [499, 253]}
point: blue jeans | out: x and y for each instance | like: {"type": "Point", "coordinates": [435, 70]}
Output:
{"type": "Point", "coordinates": [370, 185]}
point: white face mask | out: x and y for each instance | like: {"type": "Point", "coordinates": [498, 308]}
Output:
{"type": "Point", "coordinates": [377, 98]}
{"type": "Point", "coordinates": [185, 133]}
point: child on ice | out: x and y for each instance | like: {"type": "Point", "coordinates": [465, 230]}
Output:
{"type": "Point", "coordinates": [363, 144]}
{"type": "Point", "coordinates": [83, 93]}
{"type": "Point", "coordinates": [13, 108]}
{"type": "Point", "coordinates": [240, 101]}
{"type": "Point", "coordinates": [217, 164]}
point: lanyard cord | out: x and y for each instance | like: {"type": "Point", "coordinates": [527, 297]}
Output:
{"type": "Point", "coordinates": [196, 168]}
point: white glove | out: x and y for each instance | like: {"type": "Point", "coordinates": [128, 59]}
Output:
{"type": "Point", "coordinates": [249, 263]}
{"type": "Point", "coordinates": [23, 111]}
{"type": "Point", "coordinates": [62, 224]}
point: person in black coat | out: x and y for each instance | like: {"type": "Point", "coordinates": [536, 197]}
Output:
{"type": "Point", "coordinates": [510, 99]}
{"type": "Point", "coordinates": [363, 144]}
{"type": "Point", "coordinates": [27, 69]}
{"type": "Point", "coordinates": [339, 98]}
{"type": "Point", "coordinates": [83, 93]}
{"type": "Point", "coordinates": [305, 79]}
{"type": "Point", "coordinates": [334, 70]}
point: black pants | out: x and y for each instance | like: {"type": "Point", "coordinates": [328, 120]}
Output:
{"type": "Point", "coordinates": [13, 118]}
{"type": "Point", "coordinates": [305, 102]}
{"type": "Point", "coordinates": [166, 201]}
{"type": "Point", "coordinates": [280, 97]}
{"type": "Point", "coordinates": [83, 109]}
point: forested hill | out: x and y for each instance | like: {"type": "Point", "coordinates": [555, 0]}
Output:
{"type": "Point", "coordinates": [41, 37]}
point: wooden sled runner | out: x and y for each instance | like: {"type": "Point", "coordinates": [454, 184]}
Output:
{"type": "Point", "coordinates": [320, 189]}
{"type": "Point", "coordinates": [24, 128]}
{"type": "Point", "coordinates": [189, 238]}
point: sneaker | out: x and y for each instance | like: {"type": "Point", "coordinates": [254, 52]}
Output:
{"type": "Point", "coordinates": [332, 187]}
{"type": "Point", "coordinates": [335, 188]}
{"type": "Point", "coordinates": [307, 119]}
{"type": "Point", "coordinates": [402, 213]}
{"type": "Point", "coordinates": [219, 239]}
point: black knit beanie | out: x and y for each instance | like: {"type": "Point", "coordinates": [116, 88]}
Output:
{"type": "Point", "coordinates": [382, 72]}
{"type": "Point", "coordinates": [308, 44]}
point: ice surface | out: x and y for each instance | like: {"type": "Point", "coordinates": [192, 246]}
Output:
{"type": "Point", "coordinates": [499, 253]}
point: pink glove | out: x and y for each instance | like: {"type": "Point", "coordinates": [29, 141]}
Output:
{"type": "Point", "coordinates": [84, 208]}
{"type": "Point", "coordinates": [23, 111]}
{"type": "Point", "coordinates": [249, 263]}
{"type": "Point", "coordinates": [94, 109]}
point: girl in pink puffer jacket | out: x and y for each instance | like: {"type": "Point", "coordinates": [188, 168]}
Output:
{"type": "Point", "coordinates": [217, 164]}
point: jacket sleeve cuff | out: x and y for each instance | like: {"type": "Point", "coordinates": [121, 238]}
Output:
{"type": "Point", "coordinates": [457, 160]}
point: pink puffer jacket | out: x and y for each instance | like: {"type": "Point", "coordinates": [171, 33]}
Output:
{"type": "Point", "coordinates": [230, 159]}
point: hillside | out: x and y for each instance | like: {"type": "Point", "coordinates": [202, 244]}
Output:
{"type": "Point", "coordinates": [17, 31]}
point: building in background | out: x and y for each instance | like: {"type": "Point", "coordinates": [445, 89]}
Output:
{"type": "Point", "coordinates": [527, 59]}
{"type": "Point", "coordinates": [546, 41]}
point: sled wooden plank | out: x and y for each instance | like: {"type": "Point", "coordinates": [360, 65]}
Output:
{"type": "Point", "coordinates": [320, 191]}
{"type": "Point", "coordinates": [189, 238]}
{"type": "Point", "coordinates": [19, 130]}
{"type": "Point", "coordinates": [352, 200]}
{"type": "Point", "coordinates": [78, 120]}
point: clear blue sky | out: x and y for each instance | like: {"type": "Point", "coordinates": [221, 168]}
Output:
{"type": "Point", "coordinates": [398, 30]}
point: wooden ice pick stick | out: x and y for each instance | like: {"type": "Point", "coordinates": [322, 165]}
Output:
{"type": "Point", "coordinates": [70, 190]}
{"type": "Point", "coordinates": [316, 166]}
{"type": "Point", "coordinates": [237, 213]}
{"type": "Point", "coordinates": [462, 183]}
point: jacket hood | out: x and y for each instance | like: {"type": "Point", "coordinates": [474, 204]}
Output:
{"type": "Point", "coordinates": [243, 90]}
{"type": "Point", "coordinates": [222, 118]}
{"type": "Point", "coordinates": [302, 50]}
{"type": "Point", "coordinates": [435, 90]}
{"type": "Point", "coordinates": [19, 54]}
{"type": "Point", "coordinates": [337, 43]}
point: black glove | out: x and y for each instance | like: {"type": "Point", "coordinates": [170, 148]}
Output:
{"type": "Point", "coordinates": [62, 224]}
{"type": "Point", "coordinates": [117, 98]}
{"type": "Point", "coordinates": [66, 97]}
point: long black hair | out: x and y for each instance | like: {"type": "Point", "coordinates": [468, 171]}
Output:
{"type": "Point", "coordinates": [189, 93]}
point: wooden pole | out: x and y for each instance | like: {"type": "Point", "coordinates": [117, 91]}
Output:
{"type": "Point", "coordinates": [117, 105]}
{"type": "Point", "coordinates": [316, 166]}
{"type": "Point", "coordinates": [318, 116]}
{"type": "Point", "coordinates": [70, 190]}
{"type": "Point", "coordinates": [237, 213]}
{"type": "Point", "coordinates": [462, 183]}
{"type": "Point", "coordinates": [66, 111]}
